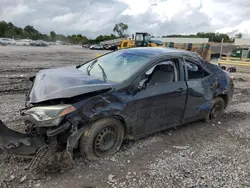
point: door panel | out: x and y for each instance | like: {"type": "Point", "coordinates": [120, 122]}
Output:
{"type": "Point", "coordinates": [199, 96]}
{"type": "Point", "coordinates": [159, 107]}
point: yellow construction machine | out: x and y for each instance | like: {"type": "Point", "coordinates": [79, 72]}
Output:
{"type": "Point", "coordinates": [141, 39]}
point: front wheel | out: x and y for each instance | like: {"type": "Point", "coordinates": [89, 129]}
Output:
{"type": "Point", "coordinates": [103, 138]}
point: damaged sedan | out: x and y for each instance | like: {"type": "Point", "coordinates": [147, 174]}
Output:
{"type": "Point", "coordinates": [125, 94]}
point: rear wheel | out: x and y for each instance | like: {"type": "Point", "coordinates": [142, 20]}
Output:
{"type": "Point", "coordinates": [218, 108]}
{"type": "Point", "coordinates": [103, 138]}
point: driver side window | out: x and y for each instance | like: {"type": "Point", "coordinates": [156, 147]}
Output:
{"type": "Point", "coordinates": [163, 73]}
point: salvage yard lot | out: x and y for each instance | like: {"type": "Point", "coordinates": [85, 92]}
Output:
{"type": "Point", "coordinates": [210, 154]}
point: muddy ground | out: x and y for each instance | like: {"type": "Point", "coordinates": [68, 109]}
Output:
{"type": "Point", "coordinates": [195, 155]}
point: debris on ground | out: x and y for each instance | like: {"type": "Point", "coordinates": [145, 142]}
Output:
{"type": "Point", "coordinates": [181, 147]}
{"type": "Point", "coordinates": [239, 79]}
{"type": "Point", "coordinates": [111, 178]}
{"type": "Point", "coordinates": [23, 179]}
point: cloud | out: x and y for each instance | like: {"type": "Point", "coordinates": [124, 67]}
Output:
{"type": "Point", "coordinates": [65, 18]}
{"type": "Point", "coordinates": [159, 17]}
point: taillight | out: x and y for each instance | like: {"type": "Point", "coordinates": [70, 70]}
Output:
{"type": "Point", "coordinates": [231, 78]}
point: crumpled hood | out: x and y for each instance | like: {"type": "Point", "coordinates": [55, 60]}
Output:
{"type": "Point", "coordinates": [64, 82]}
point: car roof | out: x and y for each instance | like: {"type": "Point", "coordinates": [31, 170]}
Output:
{"type": "Point", "coordinates": [155, 51]}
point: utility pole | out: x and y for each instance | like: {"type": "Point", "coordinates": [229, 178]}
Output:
{"type": "Point", "coordinates": [221, 47]}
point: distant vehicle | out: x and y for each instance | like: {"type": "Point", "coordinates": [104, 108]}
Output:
{"type": "Point", "coordinates": [6, 41]}
{"type": "Point", "coordinates": [39, 43]}
{"type": "Point", "coordinates": [106, 46]}
{"type": "Point", "coordinates": [85, 45]}
{"type": "Point", "coordinates": [92, 46]}
{"type": "Point", "coordinates": [112, 47]}
{"type": "Point", "coordinates": [3, 42]}
{"type": "Point", "coordinates": [22, 42]}
{"type": "Point", "coordinates": [97, 47]}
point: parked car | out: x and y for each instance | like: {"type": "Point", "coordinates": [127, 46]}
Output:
{"type": "Point", "coordinates": [112, 47]}
{"type": "Point", "coordinates": [105, 47]}
{"type": "Point", "coordinates": [2, 42]}
{"type": "Point", "coordinates": [22, 42]}
{"type": "Point", "coordinates": [97, 47]}
{"type": "Point", "coordinates": [7, 41]}
{"type": "Point", "coordinates": [39, 43]}
{"type": "Point", "coordinates": [125, 94]}
{"type": "Point", "coordinates": [85, 45]}
{"type": "Point", "coordinates": [91, 46]}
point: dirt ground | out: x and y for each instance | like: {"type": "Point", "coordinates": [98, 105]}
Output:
{"type": "Point", "coordinates": [195, 155]}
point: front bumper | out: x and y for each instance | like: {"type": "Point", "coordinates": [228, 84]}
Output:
{"type": "Point", "coordinates": [66, 133]}
{"type": "Point", "coordinates": [18, 143]}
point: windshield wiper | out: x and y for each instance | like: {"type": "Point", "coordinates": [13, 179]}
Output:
{"type": "Point", "coordinates": [90, 66]}
{"type": "Point", "coordinates": [103, 73]}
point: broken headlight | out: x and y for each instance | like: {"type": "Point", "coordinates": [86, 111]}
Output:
{"type": "Point", "coordinates": [46, 116]}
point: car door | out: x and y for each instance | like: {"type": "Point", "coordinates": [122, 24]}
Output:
{"type": "Point", "coordinates": [161, 104]}
{"type": "Point", "coordinates": [201, 88]}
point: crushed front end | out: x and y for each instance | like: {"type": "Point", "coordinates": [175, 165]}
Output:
{"type": "Point", "coordinates": [52, 132]}
{"type": "Point", "coordinates": [53, 124]}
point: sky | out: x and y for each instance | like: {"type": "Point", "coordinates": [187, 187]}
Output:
{"type": "Point", "coordinates": [157, 17]}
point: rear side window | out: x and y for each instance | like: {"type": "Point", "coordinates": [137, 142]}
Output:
{"type": "Point", "coordinates": [195, 71]}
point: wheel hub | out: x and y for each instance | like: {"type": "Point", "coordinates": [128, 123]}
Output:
{"type": "Point", "coordinates": [105, 140]}
{"type": "Point", "coordinates": [216, 111]}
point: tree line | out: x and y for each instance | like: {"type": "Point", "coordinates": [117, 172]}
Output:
{"type": "Point", "coordinates": [9, 30]}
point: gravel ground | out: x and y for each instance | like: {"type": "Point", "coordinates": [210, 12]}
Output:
{"type": "Point", "coordinates": [195, 155]}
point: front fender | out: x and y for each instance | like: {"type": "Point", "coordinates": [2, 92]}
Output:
{"type": "Point", "coordinates": [102, 106]}
{"type": "Point", "coordinates": [106, 105]}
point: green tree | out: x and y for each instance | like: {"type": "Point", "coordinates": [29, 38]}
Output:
{"type": "Point", "coordinates": [30, 29]}
{"type": "Point", "coordinates": [18, 31]}
{"type": "Point", "coordinates": [3, 28]}
{"type": "Point", "coordinates": [52, 35]}
{"type": "Point", "coordinates": [120, 29]}
{"type": "Point", "coordinates": [238, 35]}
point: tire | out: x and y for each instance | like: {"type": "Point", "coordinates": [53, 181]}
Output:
{"type": "Point", "coordinates": [218, 108]}
{"type": "Point", "coordinates": [103, 138]}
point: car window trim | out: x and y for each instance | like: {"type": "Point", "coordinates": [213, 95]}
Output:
{"type": "Point", "coordinates": [196, 63]}
{"type": "Point", "coordinates": [168, 59]}
{"type": "Point", "coordinates": [135, 79]}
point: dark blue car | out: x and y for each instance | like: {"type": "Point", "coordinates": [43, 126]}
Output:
{"type": "Point", "coordinates": [126, 94]}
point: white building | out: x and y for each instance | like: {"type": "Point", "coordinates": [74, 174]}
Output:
{"type": "Point", "coordinates": [184, 40]}
{"type": "Point", "coordinates": [242, 41]}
